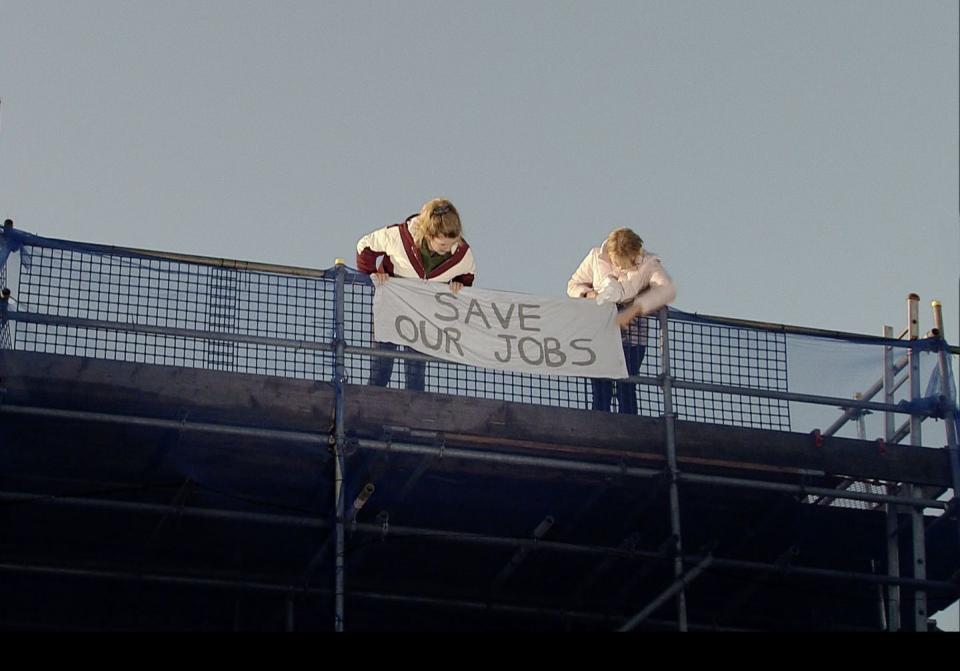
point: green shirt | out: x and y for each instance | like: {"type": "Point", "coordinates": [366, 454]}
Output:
{"type": "Point", "coordinates": [431, 259]}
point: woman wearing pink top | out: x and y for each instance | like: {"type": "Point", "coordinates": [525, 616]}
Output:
{"type": "Point", "coordinates": [621, 271]}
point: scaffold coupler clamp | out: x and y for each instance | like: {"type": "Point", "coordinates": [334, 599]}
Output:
{"type": "Point", "coordinates": [817, 438]}
{"type": "Point", "coordinates": [942, 408]}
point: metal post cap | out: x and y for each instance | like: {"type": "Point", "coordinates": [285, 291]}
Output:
{"type": "Point", "coordinates": [934, 304]}
{"type": "Point", "coordinates": [339, 262]}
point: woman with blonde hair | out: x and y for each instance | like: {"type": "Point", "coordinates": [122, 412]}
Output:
{"type": "Point", "coordinates": [621, 271]}
{"type": "Point", "coordinates": [428, 245]}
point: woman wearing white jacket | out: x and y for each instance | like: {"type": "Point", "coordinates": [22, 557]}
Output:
{"type": "Point", "coordinates": [428, 245]}
{"type": "Point", "coordinates": [621, 271]}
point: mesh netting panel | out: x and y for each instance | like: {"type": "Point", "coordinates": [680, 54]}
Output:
{"type": "Point", "coordinates": [165, 294]}
{"type": "Point", "coordinates": [175, 351]}
{"type": "Point", "coordinates": [160, 292]}
{"type": "Point", "coordinates": [733, 356]}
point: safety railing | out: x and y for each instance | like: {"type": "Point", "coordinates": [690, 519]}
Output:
{"type": "Point", "coordinates": [105, 302]}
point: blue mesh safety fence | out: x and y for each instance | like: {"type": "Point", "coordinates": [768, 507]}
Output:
{"type": "Point", "coordinates": [733, 356]}
{"type": "Point", "coordinates": [154, 310]}
{"type": "Point", "coordinates": [81, 299]}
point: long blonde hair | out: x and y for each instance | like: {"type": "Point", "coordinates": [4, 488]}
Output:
{"type": "Point", "coordinates": [437, 218]}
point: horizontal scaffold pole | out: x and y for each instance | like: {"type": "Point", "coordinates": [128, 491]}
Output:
{"type": "Point", "coordinates": [236, 585]}
{"type": "Point", "coordinates": [76, 322]}
{"type": "Point", "coordinates": [462, 537]}
{"type": "Point", "coordinates": [609, 469]}
{"type": "Point", "coordinates": [474, 455]}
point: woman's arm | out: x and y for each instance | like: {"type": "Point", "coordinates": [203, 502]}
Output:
{"type": "Point", "coordinates": [580, 284]}
{"type": "Point", "coordinates": [369, 248]}
{"type": "Point", "coordinates": [659, 292]}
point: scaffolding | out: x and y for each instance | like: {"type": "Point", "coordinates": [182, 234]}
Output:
{"type": "Point", "coordinates": [79, 317]}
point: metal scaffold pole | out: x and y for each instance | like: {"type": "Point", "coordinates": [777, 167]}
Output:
{"type": "Point", "coordinates": [893, 523]}
{"type": "Point", "coordinates": [948, 418]}
{"type": "Point", "coordinates": [5, 335]}
{"type": "Point", "coordinates": [676, 588]}
{"type": "Point", "coordinates": [340, 380]}
{"type": "Point", "coordinates": [916, 514]}
{"type": "Point", "coordinates": [668, 418]}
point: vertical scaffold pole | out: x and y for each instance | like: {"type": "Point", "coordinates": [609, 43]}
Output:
{"type": "Point", "coordinates": [893, 523]}
{"type": "Point", "coordinates": [4, 299]}
{"type": "Point", "coordinates": [668, 418]}
{"type": "Point", "coordinates": [916, 514]}
{"type": "Point", "coordinates": [861, 419]}
{"type": "Point", "coordinates": [948, 419]}
{"type": "Point", "coordinates": [6, 332]}
{"type": "Point", "coordinates": [340, 379]}
{"type": "Point", "coordinates": [4, 291]}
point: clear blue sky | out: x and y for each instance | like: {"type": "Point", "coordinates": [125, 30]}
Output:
{"type": "Point", "coordinates": [792, 161]}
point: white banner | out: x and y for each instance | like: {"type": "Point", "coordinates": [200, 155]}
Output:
{"type": "Point", "coordinates": [500, 329]}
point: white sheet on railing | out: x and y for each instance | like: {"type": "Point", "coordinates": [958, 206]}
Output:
{"type": "Point", "coordinates": [500, 329]}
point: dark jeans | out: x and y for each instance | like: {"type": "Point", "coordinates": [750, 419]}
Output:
{"type": "Point", "coordinates": [626, 391]}
{"type": "Point", "coordinates": [381, 368]}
